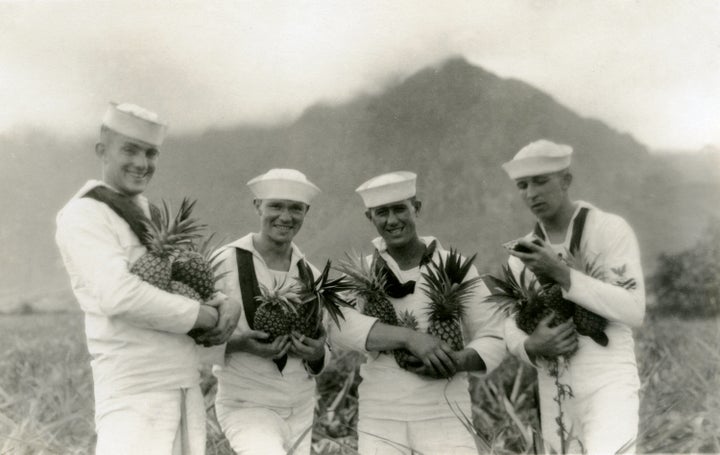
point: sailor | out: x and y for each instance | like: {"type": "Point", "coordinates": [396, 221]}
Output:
{"type": "Point", "coordinates": [594, 257]}
{"type": "Point", "coordinates": [408, 410]}
{"type": "Point", "coordinates": [144, 365]}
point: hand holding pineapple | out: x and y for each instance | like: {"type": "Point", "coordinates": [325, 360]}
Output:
{"type": "Point", "coordinates": [228, 315]}
{"type": "Point", "coordinates": [309, 349]}
{"type": "Point", "coordinates": [437, 356]}
{"type": "Point", "coordinates": [550, 341]}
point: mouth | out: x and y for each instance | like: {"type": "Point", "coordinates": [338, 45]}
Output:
{"type": "Point", "coordinates": [283, 228]}
{"type": "Point", "coordinates": [394, 231]}
{"type": "Point", "coordinates": [537, 206]}
{"type": "Point", "coordinates": [139, 175]}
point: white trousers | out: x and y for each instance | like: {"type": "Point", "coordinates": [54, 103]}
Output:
{"type": "Point", "coordinates": [604, 421]}
{"type": "Point", "coordinates": [442, 436]}
{"type": "Point", "coordinates": [254, 430]}
{"type": "Point", "coordinates": [152, 423]}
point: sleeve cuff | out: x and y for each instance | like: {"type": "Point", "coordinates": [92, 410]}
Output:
{"type": "Point", "coordinates": [491, 350]}
{"type": "Point", "coordinates": [576, 284]}
{"type": "Point", "coordinates": [353, 331]}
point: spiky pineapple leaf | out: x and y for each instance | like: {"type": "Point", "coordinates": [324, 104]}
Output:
{"type": "Point", "coordinates": [362, 278]}
{"type": "Point", "coordinates": [511, 294]}
{"type": "Point", "coordinates": [447, 287]}
{"type": "Point", "coordinates": [590, 267]}
{"type": "Point", "coordinates": [281, 295]}
{"type": "Point", "coordinates": [325, 293]}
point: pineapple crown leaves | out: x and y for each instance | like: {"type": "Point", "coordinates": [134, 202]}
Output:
{"type": "Point", "coordinates": [590, 267]}
{"type": "Point", "coordinates": [407, 318]}
{"type": "Point", "coordinates": [283, 295]}
{"type": "Point", "coordinates": [364, 279]}
{"type": "Point", "coordinates": [510, 293]}
{"type": "Point", "coordinates": [447, 288]}
{"type": "Point", "coordinates": [164, 236]}
{"type": "Point", "coordinates": [324, 293]}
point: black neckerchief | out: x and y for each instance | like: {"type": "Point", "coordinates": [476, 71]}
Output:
{"type": "Point", "coordinates": [393, 287]}
{"type": "Point", "coordinates": [125, 208]}
{"type": "Point", "coordinates": [249, 289]}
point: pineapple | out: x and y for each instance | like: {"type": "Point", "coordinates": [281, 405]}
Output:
{"type": "Point", "coordinates": [403, 357]}
{"type": "Point", "coordinates": [176, 287]}
{"type": "Point", "coordinates": [368, 283]}
{"type": "Point", "coordinates": [276, 314]}
{"type": "Point", "coordinates": [163, 239]}
{"type": "Point", "coordinates": [449, 295]}
{"type": "Point", "coordinates": [196, 267]}
{"type": "Point", "coordinates": [317, 297]}
{"type": "Point", "coordinates": [552, 299]}
{"type": "Point", "coordinates": [586, 322]}
{"type": "Point", "coordinates": [519, 298]}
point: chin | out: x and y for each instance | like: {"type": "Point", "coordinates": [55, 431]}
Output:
{"type": "Point", "coordinates": [397, 241]}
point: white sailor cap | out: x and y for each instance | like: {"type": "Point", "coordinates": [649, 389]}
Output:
{"type": "Point", "coordinates": [284, 184]}
{"type": "Point", "coordinates": [135, 122]}
{"type": "Point", "coordinates": [537, 158]}
{"type": "Point", "coordinates": [387, 188]}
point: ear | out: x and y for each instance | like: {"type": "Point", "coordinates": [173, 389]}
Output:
{"type": "Point", "coordinates": [418, 206]}
{"type": "Point", "coordinates": [99, 149]}
{"type": "Point", "coordinates": [257, 203]}
{"type": "Point", "coordinates": [307, 208]}
{"type": "Point", "coordinates": [368, 214]}
{"type": "Point", "coordinates": [567, 180]}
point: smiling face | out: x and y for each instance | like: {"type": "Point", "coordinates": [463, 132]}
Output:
{"type": "Point", "coordinates": [545, 194]}
{"type": "Point", "coordinates": [280, 219]}
{"type": "Point", "coordinates": [128, 164]}
{"type": "Point", "coordinates": [395, 222]}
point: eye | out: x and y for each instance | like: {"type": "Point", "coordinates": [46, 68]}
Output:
{"type": "Point", "coordinates": [522, 185]}
{"type": "Point", "coordinates": [152, 153]}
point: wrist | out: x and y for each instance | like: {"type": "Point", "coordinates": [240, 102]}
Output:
{"type": "Point", "coordinates": [408, 338]}
{"type": "Point", "coordinates": [562, 276]}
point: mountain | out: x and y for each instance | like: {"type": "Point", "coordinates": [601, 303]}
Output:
{"type": "Point", "coordinates": [454, 124]}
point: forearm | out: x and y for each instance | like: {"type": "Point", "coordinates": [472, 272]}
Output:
{"type": "Point", "coordinates": [610, 301]}
{"type": "Point", "coordinates": [384, 337]}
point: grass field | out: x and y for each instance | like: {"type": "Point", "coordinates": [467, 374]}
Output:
{"type": "Point", "coordinates": [46, 402]}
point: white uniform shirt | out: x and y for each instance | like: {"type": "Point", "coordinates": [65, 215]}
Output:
{"type": "Point", "coordinates": [135, 332]}
{"type": "Point", "coordinates": [611, 240]}
{"type": "Point", "coordinates": [390, 392]}
{"type": "Point", "coordinates": [253, 379]}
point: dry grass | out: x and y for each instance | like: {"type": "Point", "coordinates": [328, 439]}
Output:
{"type": "Point", "coordinates": [46, 393]}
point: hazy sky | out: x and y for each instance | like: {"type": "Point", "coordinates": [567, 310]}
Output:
{"type": "Point", "coordinates": [651, 68]}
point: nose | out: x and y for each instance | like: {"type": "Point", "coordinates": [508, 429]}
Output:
{"type": "Point", "coordinates": [285, 214]}
{"type": "Point", "coordinates": [531, 191]}
{"type": "Point", "coordinates": [391, 218]}
{"type": "Point", "coordinates": [140, 161]}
